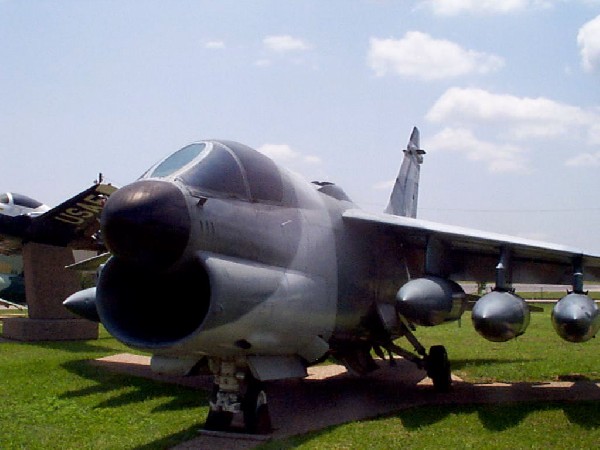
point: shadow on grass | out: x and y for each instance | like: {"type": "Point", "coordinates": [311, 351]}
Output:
{"type": "Point", "coordinates": [130, 389]}
{"type": "Point", "coordinates": [127, 389]}
{"type": "Point", "coordinates": [117, 390]}
{"type": "Point", "coordinates": [495, 408]}
{"type": "Point", "coordinates": [458, 364]}
{"type": "Point", "coordinates": [497, 417]}
{"type": "Point", "coordinates": [493, 417]}
{"type": "Point", "coordinates": [503, 417]}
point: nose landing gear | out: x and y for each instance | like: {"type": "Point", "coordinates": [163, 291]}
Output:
{"type": "Point", "coordinates": [237, 392]}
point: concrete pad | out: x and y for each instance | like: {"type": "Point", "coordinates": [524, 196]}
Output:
{"type": "Point", "coordinates": [331, 396]}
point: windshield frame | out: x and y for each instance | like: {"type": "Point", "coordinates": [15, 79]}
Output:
{"type": "Point", "coordinates": [198, 191]}
{"type": "Point", "coordinates": [173, 174]}
{"type": "Point", "coordinates": [248, 164]}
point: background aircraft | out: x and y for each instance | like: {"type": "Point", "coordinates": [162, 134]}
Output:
{"type": "Point", "coordinates": [12, 283]}
{"type": "Point", "coordinates": [13, 204]}
{"type": "Point", "coordinates": [74, 223]}
{"type": "Point", "coordinates": [264, 274]}
{"type": "Point", "coordinates": [16, 212]}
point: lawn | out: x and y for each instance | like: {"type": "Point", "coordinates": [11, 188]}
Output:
{"type": "Point", "coordinates": [52, 398]}
{"type": "Point", "coordinates": [539, 355]}
{"type": "Point", "coordinates": [522, 426]}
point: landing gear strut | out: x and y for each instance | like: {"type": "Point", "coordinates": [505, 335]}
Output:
{"type": "Point", "coordinates": [219, 419]}
{"type": "Point", "coordinates": [435, 362]}
{"type": "Point", "coordinates": [237, 392]}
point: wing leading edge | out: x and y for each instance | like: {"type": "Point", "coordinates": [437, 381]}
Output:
{"type": "Point", "coordinates": [471, 255]}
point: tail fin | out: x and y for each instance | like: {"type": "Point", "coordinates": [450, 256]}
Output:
{"type": "Point", "coordinates": [403, 201]}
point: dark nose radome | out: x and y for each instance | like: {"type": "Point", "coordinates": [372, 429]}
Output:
{"type": "Point", "coordinates": [146, 222]}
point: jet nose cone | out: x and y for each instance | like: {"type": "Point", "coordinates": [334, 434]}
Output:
{"type": "Point", "coordinates": [146, 222]}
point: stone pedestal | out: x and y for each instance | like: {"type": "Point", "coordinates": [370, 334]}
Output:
{"type": "Point", "coordinates": [47, 285]}
{"type": "Point", "coordinates": [32, 330]}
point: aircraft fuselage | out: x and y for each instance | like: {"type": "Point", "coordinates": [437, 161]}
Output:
{"type": "Point", "coordinates": [240, 275]}
{"type": "Point", "coordinates": [221, 256]}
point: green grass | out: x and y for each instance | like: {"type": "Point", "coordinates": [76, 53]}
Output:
{"type": "Point", "coordinates": [51, 397]}
{"type": "Point", "coordinates": [522, 426]}
{"type": "Point", "coordinates": [539, 355]}
{"type": "Point", "coordinates": [12, 312]}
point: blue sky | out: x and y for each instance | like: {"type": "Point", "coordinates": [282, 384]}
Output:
{"type": "Point", "coordinates": [506, 95]}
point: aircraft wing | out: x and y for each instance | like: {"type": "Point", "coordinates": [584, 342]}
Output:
{"type": "Point", "coordinates": [72, 223]}
{"type": "Point", "coordinates": [472, 255]}
{"type": "Point", "coordinates": [91, 264]}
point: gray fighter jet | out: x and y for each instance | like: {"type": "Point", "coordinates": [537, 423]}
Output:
{"type": "Point", "coordinates": [263, 274]}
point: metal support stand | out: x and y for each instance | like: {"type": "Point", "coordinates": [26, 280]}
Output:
{"type": "Point", "coordinates": [578, 276]}
{"type": "Point", "coordinates": [504, 272]}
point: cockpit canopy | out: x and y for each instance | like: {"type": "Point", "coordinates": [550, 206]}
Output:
{"type": "Point", "coordinates": [19, 200]}
{"type": "Point", "coordinates": [223, 168]}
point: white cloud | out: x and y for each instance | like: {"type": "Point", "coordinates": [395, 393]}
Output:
{"type": "Point", "coordinates": [455, 7]}
{"type": "Point", "coordinates": [594, 134]}
{"type": "Point", "coordinates": [214, 45]}
{"type": "Point", "coordinates": [311, 159]}
{"type": "Point", "coordinates": [585, 160]}
{"type": "Point", "coordinates": [284, 154]}
{"type": "Point", "coordinates": [262, 63]}
{"type": "Point", "coordinates": [513, 120]}
{"type": "Point", "coordinates": [588, 40]}
{"type": "Point", "coordinates": [278, 151]}
{"type": "Point", "coordinates": [521, 117]}
{"type": "Point", "coordinates": [497, 157]}
{"type": "Point", "coordinates": [285, 44]}
{"type": "Point", "coordinates": [418, 55]}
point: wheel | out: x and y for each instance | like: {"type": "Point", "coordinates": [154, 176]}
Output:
{"type": "Point", "coordinates": [218, 420]}
{"type": "Point", "coordinates": [256, 411]}
{"type": "Point", "coordinates": [438, 368]}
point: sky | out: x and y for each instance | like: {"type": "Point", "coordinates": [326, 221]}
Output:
{"type": "Point", "coordinates": [506, 96]}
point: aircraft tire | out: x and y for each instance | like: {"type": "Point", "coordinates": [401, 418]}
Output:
{"type": "Point", "coordinates": [438, 368]}
{"type": "Point", "coordinates": [218, 420]}
{"type": "Point", "coordinates": [256, 411]}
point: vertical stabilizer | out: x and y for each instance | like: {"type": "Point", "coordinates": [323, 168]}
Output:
{"type": "Point", "coordinates": [403, 201]}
